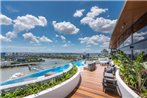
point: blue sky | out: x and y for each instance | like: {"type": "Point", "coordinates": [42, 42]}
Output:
{"type": "Point", "coordinates": [46, 26]}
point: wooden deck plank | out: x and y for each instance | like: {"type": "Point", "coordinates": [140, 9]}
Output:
{"type": "Point", "coordinates": [91, 85]}
{"type": "Point", "coordinates": [89, 94]}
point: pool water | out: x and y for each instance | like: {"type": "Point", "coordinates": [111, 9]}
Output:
{"type": "Point", "coordinates": [79, 63]}
{"type": "Point", "coordinates": [41, 73]}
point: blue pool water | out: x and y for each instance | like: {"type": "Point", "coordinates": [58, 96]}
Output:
{"type": "Point", "coordinates": [79, 63]}
{"type": "Point", "coordinates": [42, 73]}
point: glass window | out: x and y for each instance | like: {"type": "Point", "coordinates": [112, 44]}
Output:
{"type": "Point", "coordinates": [140, 35]}
{"type": "Point", "coordinates": [127, 41]}
{"type": "Point", "coordinates": [139, 43]}
{"type": "Point", "coordinates": [139, 47]}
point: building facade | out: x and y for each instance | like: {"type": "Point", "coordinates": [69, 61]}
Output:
{"type": "Point", "coordinates": [130, 32]}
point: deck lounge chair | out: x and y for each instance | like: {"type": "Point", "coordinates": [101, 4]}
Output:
{"type": "Point", "coordinates": [109, 84]}
{"type": "Point", "coordinates": [110, 69]}
{"type": "Point", "coordinates": [109, 80]}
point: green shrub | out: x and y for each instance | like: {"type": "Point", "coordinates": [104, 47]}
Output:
{"type": "Point", "coordinates": [132, 71]}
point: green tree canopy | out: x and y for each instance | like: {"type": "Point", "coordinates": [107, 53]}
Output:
{"type": "Point", "coordinates": [105, 51]}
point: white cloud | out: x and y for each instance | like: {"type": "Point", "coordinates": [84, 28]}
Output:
{"type": "Point", "coordinates": [3, 38]}
{"type": "Point", "coordinates": [65, 45]}
{"type": "Point", "coordinates": [65, 27]}
{"type": "Point", "coordinates": [127, 41]}
{"type": "Point", "coordinates": [69, 42]}
{"type": "Point", "coordinates": [86, 20]}
{"type": "Point", "coordinates": [139, 36]}
{"type": "Point", "coordinates": [143, 33]}
{"type": "Point", "coordinates": [11, 35]}
{"type": "Point", "coordinates": [94, 40]}
{"type": "Point", "coordinates": [62, 37]}
{"type": "Point", "coordinates": [108, 16]}
{"type": "Point", "coordinates": [98, 24]}
{"type": "Point", "coordinates": [8, 36]}
{"type": "Point", "coordinates": [22, 23]}
{"type": "Point", "coordinates": [4, 20]}
{"type": "Point", "coordinates": [79, 13]}
{"type": "Point", "coordinates": [89, 40]}
{"type": "Point", "coordinates": [57, 35]}
{"type": "Point", "coordinates": [29, 36]}
{"type": "Point", "coordinates": [102, 25]}
{"type": "Point", "coordinates": [45, 39]}
{"type": "Point", "coordinates": [105, 44]}
{"type": "Point", "coordinates": [65, 42]}
{"type": "Point", "coordinates": [27, 22]}
{"type": "Point", "coordinates": [95, 11]}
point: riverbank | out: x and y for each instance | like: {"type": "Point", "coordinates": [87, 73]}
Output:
{"type": "Point", "coordinates": [20, 65]}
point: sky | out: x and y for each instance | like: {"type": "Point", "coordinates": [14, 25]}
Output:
{"type": "Point", "coordinates": [59, 26]}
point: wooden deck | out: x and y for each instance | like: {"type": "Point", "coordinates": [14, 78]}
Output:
{"type": "Point", "coordinates": [91, 85]}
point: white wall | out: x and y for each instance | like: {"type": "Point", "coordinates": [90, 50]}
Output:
{"type": "Point", "coordinates": [124, 89]}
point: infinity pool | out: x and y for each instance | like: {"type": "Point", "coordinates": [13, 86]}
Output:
{"type": "Point", "coordinates": [79, 63]}
{"type": "Point", "coordinates": [41, 73]}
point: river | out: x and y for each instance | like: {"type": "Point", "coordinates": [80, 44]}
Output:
{"type": "Point", "coordinates": [6, 73]}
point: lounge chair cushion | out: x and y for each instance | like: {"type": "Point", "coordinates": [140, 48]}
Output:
{"type": "Point", "coordinates": [109, 69]}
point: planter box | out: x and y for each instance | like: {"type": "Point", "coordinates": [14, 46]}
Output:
{"type": "Point", "coordinates": [59, 91]}
{"type": "Point", "coordinates": [124, 89]}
